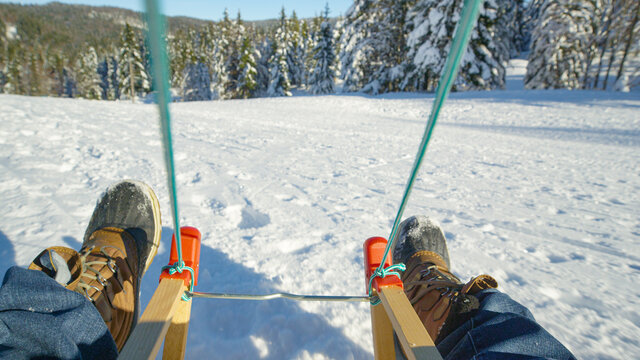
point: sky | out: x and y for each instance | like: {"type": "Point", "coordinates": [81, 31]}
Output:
{"type": "Point", "coordinates": [212, 10]}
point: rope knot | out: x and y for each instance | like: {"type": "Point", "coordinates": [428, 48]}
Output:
{"type": "Point", "coordinates": [381, 272]}
{"type": "Point", "coordinates": [179, 267]}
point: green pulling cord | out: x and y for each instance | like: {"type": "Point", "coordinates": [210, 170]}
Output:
{"type": "Point", "coordinates": [160, 64]}
{"type": "Point", "coordinates": [458, 47]}
{"type": "Point", "coordinates": [156, 33]}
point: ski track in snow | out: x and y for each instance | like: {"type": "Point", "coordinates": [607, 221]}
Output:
{"type": "Point", "coordinates": [537, 188]}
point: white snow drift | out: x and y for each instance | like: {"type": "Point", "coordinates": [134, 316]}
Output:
{"type": "Point", "coordinates": [538, 188]}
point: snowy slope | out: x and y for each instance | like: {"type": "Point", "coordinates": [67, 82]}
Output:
{"type": "Point", "coordinates": [537, 188]}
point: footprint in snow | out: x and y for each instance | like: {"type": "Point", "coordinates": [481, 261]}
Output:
{"type": "Point", "coordinates": [252, 218]}
{"type": "Point", "coordinates": [556, 259]}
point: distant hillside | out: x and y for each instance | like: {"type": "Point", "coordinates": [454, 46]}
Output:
{"type": "Point", "coordinates": [64, 27]}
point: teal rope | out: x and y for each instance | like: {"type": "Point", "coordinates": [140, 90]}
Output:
{"type": "Point", "coordinates": [384, 272]}
{"type": "Point", "coordinates": [160, 78]}
{"type": "Point", "coordinates": [178, 269]}
{"type": "Point", "coordinates": [461, 39]}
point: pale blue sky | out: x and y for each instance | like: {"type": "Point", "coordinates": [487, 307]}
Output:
{"type": "Point", "coordinates": [212, 9]}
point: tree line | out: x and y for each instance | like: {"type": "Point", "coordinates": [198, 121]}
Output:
{"type": "Point", "coordinates": [224, 60]}
{"type": "Point", "coordinates": [379, 46]}
{"type": "Point", "coordinates": [402, 45]}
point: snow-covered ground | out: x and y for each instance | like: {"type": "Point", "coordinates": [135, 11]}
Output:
{"type": "Point", "coordinates": [540, 189]}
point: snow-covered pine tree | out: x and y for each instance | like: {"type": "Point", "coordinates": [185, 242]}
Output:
{"type": "Point", "coordinates": [373, 45]}
{"type": "Point", "coordinates": [322, 78]}
{"type": "Point", "coordinates": [103, 72]}
{"type": "Point", "coordinates": [133, 79]}
{"type": "Point", "coordinates": [484, 64]}
{"type": "Point", "coordinates": [247, 83]}
{"type": "Point", "coordinates": [279, 84]}
{"type": "Point", "coordinates": [15, 72]}
{"type": "Point", "coordinates": [34, 73]}
{"type": "Point", "coordinates": [209, 52]}
{"type": "Point", "coordinates": [530, 19]}
{"type": "Point", "coordinates": [511, 29]}
{"type": "Point", "coordinates": [630, 48]}
{"type": "Point", "coordinates": [558, 55]}
{"type": "Point", "coordinates": [197, 82]}
{"type": "Point", "coordinates": [432, 24]}
{"type": "Point", "coordinates": [180, 54]}
{"type": "Point", "coordinates": [4, 44]}
{"type": "Point", "coordinates": [232, 32]}
{"type": "Point", "coordinates": [309, 43]}
{"type": "Point", "coordinates": [388, 40]}
{"type": "Point", "coordinates": [61, 82]}
{"type": "Point", "coordinates": [356, 44]}
{"type": "Point", "coordinates": [108, 76]}
{"type": "Point", "coordinates": [112, 76]}
{"type": "Point", "coordinates": [219, 77]}
{"type": "Point", "coordinates": [87, 77]}
{"type": "Point", "coordinates": [69, 83]}
{"type": "Point", "coordinates": [295, 52]}
{"type": "Point", "coordinates": [263, 75]}
{"type": "Point", "coordinates": [612, 41]}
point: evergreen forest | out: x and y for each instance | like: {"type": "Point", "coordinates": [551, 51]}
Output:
{"type": "Point", "coordinates": [379, 46]}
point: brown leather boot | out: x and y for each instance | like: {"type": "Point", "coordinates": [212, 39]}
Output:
{"type": "Point", "coordinates": [439, 298]}
{"type": "Point", "coordinates": [120, 243]}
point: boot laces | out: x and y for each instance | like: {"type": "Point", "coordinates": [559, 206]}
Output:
{"type": "Point", "coordinates": [91, 272]}
{"type": "Point", "coordinates": [433, 278]}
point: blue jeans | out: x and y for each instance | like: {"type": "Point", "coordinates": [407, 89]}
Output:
{"type": "Point", "coordinates": [41, 319]}
{"type": "Point", "coordinates": [501, 329]}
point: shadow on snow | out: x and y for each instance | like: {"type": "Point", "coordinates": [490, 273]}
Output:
{"type": "Point", "coordinates": [241, 329]}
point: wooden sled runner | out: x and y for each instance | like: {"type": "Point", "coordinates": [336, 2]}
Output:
{"type": "Point", "coordinates": [167, 315]}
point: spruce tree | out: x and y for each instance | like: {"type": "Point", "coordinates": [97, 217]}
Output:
{"type": "Point", "coordinates": [279, 84]}
{"type": "Point", "coordinates": [322, 79]}
{"type": "Point", "coordinates": [87, 77]}
{"type": "Point", "coordinates": [490, 47]}
{"type": "Point", "coordinates": [373, 45]}
{"type": "Point", "coordinates": [510, 30]}
{"type": "Point", "coordinates": [432, 24]}
{"type": "Point", "coordinates": [309, 43]}
{"type": "Point", "coordinates": [103, 72]}
{"type": "Point", "coordinates": [232, 33]}
{"type": "Point", "coordinates": [108, 79]}
{"type": "Point", "coordinates": [219, 77]}
{"type": "Point", "coordinates": [531, 16]}
{"type": "Point", "coordinates": [630, 41]}
{"type": "Point", "coordinates": [4, 45]}
{"type": "Point", "coordinates": [295, 52]}
{"type": "Point", "coordinates": [197, 82]}
{"type": "Point", "coordinates": [180, 54]}
{"type": "Point", "coordinates": [132, 76]}
{"type": "Point", "coordinates": [266, 50]}
{"type": "Point", "coordinates": [388, 40]}
{"type": "Point", "coordinates": [247, 83]}
{"type": "Point", "coordinates": [112, 76]}
{"type": "Point", "coordinates": [34, 73]}
{"type": "Point", "coordinates": [558, 55]}
{"type": "Point", "coordinates": [357, 44]}
{"type": "Point", "coordinates": [15, 76]}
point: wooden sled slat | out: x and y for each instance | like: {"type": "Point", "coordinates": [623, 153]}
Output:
{"type": "Point", "coordinates": [145, 341]}
{"type": "Point", "coordinates": [175, 342]}
{"type": "Point", "coordinates": [415, 341]}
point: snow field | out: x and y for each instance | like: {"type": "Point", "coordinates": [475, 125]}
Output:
{"type": "Point", "coordinates": [538, 188]}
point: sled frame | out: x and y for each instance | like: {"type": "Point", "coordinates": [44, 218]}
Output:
{"type": "Point", "coordinates": [394, 317]}
{"type": "Point", "coordinates": [165, 318]}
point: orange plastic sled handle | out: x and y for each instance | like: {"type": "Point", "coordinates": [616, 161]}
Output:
{"type": "Point", "coordinates": [190, 237]}
{"type": "Point", "coordinates": [373, 251]}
